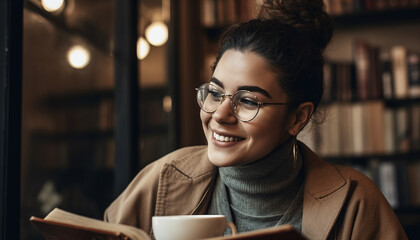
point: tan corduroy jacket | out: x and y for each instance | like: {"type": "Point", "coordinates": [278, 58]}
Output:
{"type": "Point", "coordinates": [339, 202]}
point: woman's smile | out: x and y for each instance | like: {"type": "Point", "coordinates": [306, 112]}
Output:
{"type": "Point", "coordinates": [225, 138]}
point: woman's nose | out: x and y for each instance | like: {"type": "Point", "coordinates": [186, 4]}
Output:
{"type": "Point", "coordinates": [224, 113]}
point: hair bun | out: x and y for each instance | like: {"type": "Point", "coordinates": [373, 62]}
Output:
{"type": "Point", "coordinates": [307, 16]}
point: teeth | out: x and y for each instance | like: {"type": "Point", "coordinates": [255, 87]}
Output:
{"type": "Point", "coordinates": [225, 138]}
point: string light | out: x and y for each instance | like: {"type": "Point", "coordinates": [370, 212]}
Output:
{"type": "Point", "coordinates": [78, 57]}
{"type": "Point", "coordinates": [157, 33]}
{"type": "Point", "coordinates": [52, 5]}
{"type": "Point", "coordinates": [143, 48]}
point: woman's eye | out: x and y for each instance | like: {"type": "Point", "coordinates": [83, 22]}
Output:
{"type": "Point", "coordinates": [215, 94]}
{"type": "Point", "coordinates": [249, 102]}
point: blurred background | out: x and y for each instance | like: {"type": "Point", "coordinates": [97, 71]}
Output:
{"type": "Point", "coordinates": [88, 124]}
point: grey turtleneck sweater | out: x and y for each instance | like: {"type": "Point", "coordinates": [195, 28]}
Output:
{"type": "Point", "coordinates": [265, 193]}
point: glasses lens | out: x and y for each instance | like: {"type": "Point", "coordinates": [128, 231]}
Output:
{"type": "Point", "coordinates": [209, 97]}
{"type": "Point", "coordinates": [245, 105]}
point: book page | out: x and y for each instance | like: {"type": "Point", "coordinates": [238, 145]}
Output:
{"type": "Point", "coordinates": [62, 216]}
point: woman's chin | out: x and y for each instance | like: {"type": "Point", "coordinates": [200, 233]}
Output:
{"type": "Point", "coordinates": [219, 161]}
{"type": "Point", "coordinates": [222, 160]}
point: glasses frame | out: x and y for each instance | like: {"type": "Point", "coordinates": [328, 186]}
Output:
{"type": "Point", "coordinates": [232, 105]}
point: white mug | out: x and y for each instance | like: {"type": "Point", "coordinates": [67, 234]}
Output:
{"type": "Point", "coordinates": [190, 227]}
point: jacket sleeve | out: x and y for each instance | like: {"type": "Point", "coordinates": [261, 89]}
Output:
{"type": "Point", "coordinates": [368, 214]}
{"type": "Point", "coordinates": [136, 204]}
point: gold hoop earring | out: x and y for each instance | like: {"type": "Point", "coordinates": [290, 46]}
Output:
{"type": "Point", "coordinates": [295, 151]}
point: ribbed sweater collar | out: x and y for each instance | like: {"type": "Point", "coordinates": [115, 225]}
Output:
{"type": "Point", "coordinates": [269, 175]}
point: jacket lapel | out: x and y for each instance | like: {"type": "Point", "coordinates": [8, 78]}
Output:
{"type": "Point", "coordinates": [187, 180]}
{"type": "Point", "coordinates": [325, 194]}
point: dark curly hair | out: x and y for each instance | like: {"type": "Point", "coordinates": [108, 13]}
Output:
{"type": "Point", "coordinates": [291, 35]}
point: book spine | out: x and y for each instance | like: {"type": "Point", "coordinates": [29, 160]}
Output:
{"type": "Point", "coordinates": [413, 68]}
{"type": "Point", "coordinates": [402, 133]}
{"type": "Point", "coordinates": [336, 7]}
{"type": "Point", "coordinates": [220, 13]}
{"type": "Point", "coordinates": [400, 71]}
{"type": "Point", "coordinates": [208, 13]}
{"type": "Point", "coordinates": [376, 130]}
{"type": "Point", "coordinates": [328, 81]}
{"type": "Point", "coordinates": [362, 63]}
{"type": "Point", "coordinates": [375, 79]}
{"type": "Point", "coordinates": [334, 130]}
{"type": "Point", "coordinates": [389, 130]}
{"type": "Point", "coordinates": [386, 70]}
{"type": "Point", "coordinates": [415, 127]}
{"type": "Point", "coordinates": [357, 120]}
{"type": "Point", "coordinates": [388, 183]}
{"type": "Point", "coordinates": [345, 130]}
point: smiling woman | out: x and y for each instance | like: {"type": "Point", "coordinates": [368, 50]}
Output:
{"type": "Point", "coordinates": [266, 84]}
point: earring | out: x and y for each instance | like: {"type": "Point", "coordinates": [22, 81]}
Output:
{"type": "Point", "coordinates": [295, 151]}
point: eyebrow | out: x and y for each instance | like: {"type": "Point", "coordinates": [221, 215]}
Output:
{"type": "Point", "coordinates": [248, 88]}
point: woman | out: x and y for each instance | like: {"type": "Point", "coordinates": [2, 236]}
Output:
{"type": "Point", "coordinates": [266, 85]}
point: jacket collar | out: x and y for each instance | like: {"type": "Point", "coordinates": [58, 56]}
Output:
{"type": "Point", "coordinates": [188, 177]}
{"type": "Point", "coordinates": [322, 178]}
{"type": "Point", "coordinates": [195, 163]}
{"type": "Point", "coordinates": [325, 193]}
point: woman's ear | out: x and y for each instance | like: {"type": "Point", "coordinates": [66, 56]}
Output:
{"type": "Point", "coordinates": [300, 117]}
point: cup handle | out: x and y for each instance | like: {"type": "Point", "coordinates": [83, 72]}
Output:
{"type": "Point", "coordinates": [232, 227]}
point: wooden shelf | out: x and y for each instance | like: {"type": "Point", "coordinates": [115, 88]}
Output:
{"type": "Point", "coordinates": [363, 158]}
{"type": "Point", "coordinates": [377, 18]}
{"type": "Point", "coordinates": [95, 134]}
{"type": "Point", "coordinates": [84, 98]}
{"type": "Point", "coordinates": [403, 102]}
{"type": "Point", "coordinates": [392, 102]}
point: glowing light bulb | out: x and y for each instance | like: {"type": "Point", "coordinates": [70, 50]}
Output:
{"type": "Point", "coordinates": [78, 57]}
{"type": "Point", "coordinates": [52, 5]}
{"type": "Point", "coordinates": [157, 33]}
{"type": "Point", "coordinates": [167, 104]}
{"type": "Point", "coordinates": [143, 48]}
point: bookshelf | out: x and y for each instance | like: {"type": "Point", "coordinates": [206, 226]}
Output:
{"type": "Point", "coordinates": [368, 124]}
{"type": "Point", "coordinates": [372, 104]}
{"type": "Point", "coordinates": [86, 120]}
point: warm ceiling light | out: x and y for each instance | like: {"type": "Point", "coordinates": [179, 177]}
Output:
{"type": "Point", "coordinates": [52, 5]}
{"type": "Point", "coordinates": [143, 48]}
{"type": "Point", "coordinates": [78, 57]}
{"type": "Point", "coordinates": [157, 33]}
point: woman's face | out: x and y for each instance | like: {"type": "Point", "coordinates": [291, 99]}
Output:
{"type": "Point", "coordinates": [254, 139]}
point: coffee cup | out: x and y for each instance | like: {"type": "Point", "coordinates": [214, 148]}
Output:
{"type": "Point", "coordinates": [190, 227]}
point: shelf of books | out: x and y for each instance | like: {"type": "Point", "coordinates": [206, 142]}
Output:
{"type": "Point", "coordinates": [372, 118]}
{"type": "Point", "coordinates": [371, 110]}
{"type": "Point", "coordinates": [215, 16]}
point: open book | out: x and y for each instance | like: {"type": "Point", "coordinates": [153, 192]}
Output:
{"type": "Point", "coordinates": [63, 225]}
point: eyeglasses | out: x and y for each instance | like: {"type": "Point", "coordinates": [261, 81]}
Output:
{"type": "Point", "coordinates": [243, 103]}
